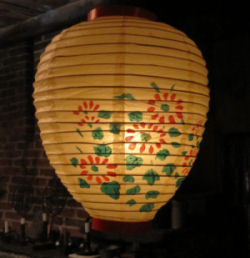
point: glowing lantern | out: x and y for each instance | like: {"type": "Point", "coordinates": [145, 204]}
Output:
{"type": "Point", "coordinates": [121, 102]}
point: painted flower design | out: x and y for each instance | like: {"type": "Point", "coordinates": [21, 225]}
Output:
{"type": "Point", "coordinates": [165, 108]}
{"type": "Point", "coordinates": [188, 160]}
{"type": "Point", "coordinates": [197, 127]}
{"type": "Point", "coordinates": [94, 165]}
{"type": "Point", "coordinates": [145, 137]}
{"type": "Point", "coordinates": [88, 106]}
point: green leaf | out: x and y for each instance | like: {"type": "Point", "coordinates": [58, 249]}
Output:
{"type": "Point", "coordinates": [104, 114]}
{"type": "Point", "coordinates": [147, 207]}
{"type": "Point", "coordinates": [83, 183]}
{"type": "Point", "coordinates": [169, 169]}
{"type": "Point", "coordinates": [182, 121]}
{"type": "Point", "coordinates": [155, 86]}
{"type": "Point", "coordinates": [112, 189]}
{"type": "Point", "coordinates": [74, 162]}
{"type": "Point", "coordinates": [145, 137]}
{"type": "Point", "coordinates": [152, 194]}
{"type": "Point", "coordinates": [176, 175]}
{"type": "Point", "coordinates": [172, 87]}
{"type": "Point", "coordinates": [79, 149]}
{"type": "Point", "coordinates": [103, 150]}
{"type": "Point", "coordinates": [165, 107]}
{"type": "Point", "coordinates": [128, 179]}
{"type": "Point", "coordinates": [131, 202]}
{"type": "Point", "coordinates": [115, 128]}
{"type": "Point", "coordinates": [151, 176]}
{"type": "Point", "coordinates": [94, 168]}
{"type": "Point", "coordinates": [176, 144]}
{"type": "Point", "coordinates": [97, 133]}
{"type": "Point", "coordinates": [132, 162]}
{"type": "Point", "coordinates": [162, 154]}
{"type": "Point", "coordinates": [125, 96]}
{"type": "Point", "coordinates": [133, 190]}
{"type": "Point", "coordinates": [80, 133]}
{"type": "Point", "coordinates": [179, 181]}
{"type": "Point", "coordinates": [184, 153]}
{"type": "Point", "coordinates": [135, 116]}
{"type": "Point", "coordinates": [190, 136]}
{"type": "Point", "coordinates": [173, 132]}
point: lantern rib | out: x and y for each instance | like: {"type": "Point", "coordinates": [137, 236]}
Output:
{"type": "Point", "coordinates": [117, 202]}
{"type": "Point", "coordinates": [122, 43]}
{"type": "Point", "coordinates": [106, 143]}
{"type": "Point", "coordinates": [125, 211]}
{"type": "Point", "coordinates": [80, 44]}
{"type": "Point", "coordinates": [119, 164]}
{"type": "Point", "coordinates": [117, 153]}
{"type": "Point", "coordinates": [48, 61]}
{"type": "Point", "coordinates": [114, 111]}
{"type": "Point", "coordinates": [119, 87]}
{"type": "Point", "coordinates": [120, 100]}
{"type": "Point", "coordinates": [119, 52]}
{"type": "Point", "coordinates": [92, 28]}
{"type": "Point", "coordinates": [128, 24]}
{"type": "Point", "coordinates": [127, 74]}
{"type": "Point", "coordinates": [121, 175]}
{"type": "Point", "coordinates": [122, 131]}
{"type": "Point", "coordinates": [124, 34]}
{"type": "Point", "coordinates": [125, 123]}
{"type": "Point", "coordinates": [42, 71]}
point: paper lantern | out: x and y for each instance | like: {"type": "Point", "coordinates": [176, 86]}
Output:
{"type": "Point", "coordinates": [121, 102]}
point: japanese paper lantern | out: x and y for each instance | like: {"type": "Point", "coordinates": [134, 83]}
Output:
{"type": "Point", "coordinates": [121, 103]}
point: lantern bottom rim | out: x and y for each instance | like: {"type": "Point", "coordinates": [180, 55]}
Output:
{"type": "Point", "coordinates": [118, 227]}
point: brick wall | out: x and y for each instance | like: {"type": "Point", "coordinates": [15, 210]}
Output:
{"type": "Point", "coordinates": [26, 177]}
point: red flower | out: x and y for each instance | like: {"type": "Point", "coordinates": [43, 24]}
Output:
{"type": "Point", "coordinates": [192, 154]}
{"type": "Point", "coordinates": [88, 106]}
{"type": "Point", "coordinates": [166, 96]}
{"type": "Point", "coordinates": [197, 127]}
{"type": "Point", "coordinates": [144, 137]}
{"type": "Point", "coordinates": [94, 165]}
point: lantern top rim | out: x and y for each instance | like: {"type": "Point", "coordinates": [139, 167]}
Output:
{"type": "Point", "coordinates": [121, 10]}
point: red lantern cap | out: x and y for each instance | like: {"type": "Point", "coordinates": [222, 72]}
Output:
{"type": "Point", "coordinates": [117, 227]}
{"type": "Point", "coordinates": [114, 10]}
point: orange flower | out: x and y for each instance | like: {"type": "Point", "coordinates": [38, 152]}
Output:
{"type": "Point", "coordinates": [145, 137]}
{"type": "Point", "coordinates": [164, 107]}
{"type": "Point", "coordinates": [197, 127]}
{"type": "Point", "coordinates": [93, 164]}
{"type": "Point", "coordinates": [88, 106]}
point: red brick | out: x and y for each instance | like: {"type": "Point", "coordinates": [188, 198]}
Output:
{"type": "Point", "coordinates": [58, 220]}
{"type": "Point", "coordinates": [73, 203]}
{"type": "Point", "coordinates": [40, 182]}
{"type": "Point", "coordinates": [12, 215]}
{"type": "Point", "coordinates": [41, 163]}
{"type": "Point", "coordinates": [82, 214]}
{"type": "Point", "coordinates": [73, 222]}
{"type": "Point", "coordinates": [21, 180]}
{"type": "Point", "coordinates": [5, 162]}
{"type": "Point", "coordinates": [74, 232]}
{"type": "Point", "coordinates": [67, 212]}
{"type": "Point", "coordinates": [46, 172]}
{"type": "Point", "coordinates": [4, 206]}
